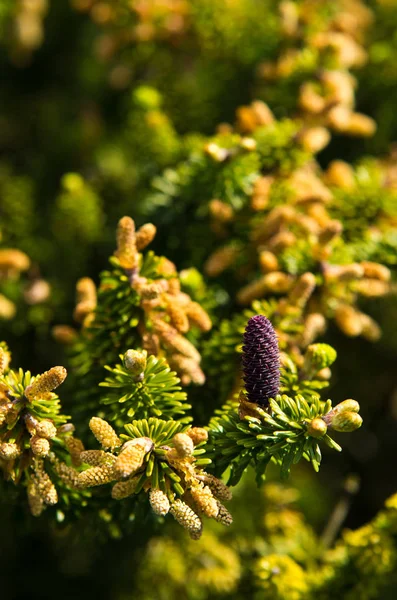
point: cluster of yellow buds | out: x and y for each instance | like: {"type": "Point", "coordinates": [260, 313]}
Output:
{"type": "Point", "coordinates": [175, 484]}
{"type": "Point", "coordinates": [330, 290]}
{"type": "Point", "coordinates": [29, 424]}
{"type": "Point", "coordinates": [343, 417]}
{"type": "Point", "coordinates": [169, 313]}
{"type": "Point", "coordinates": [203, 493]}
{"type": "Point", "coordinates": [326, 100]}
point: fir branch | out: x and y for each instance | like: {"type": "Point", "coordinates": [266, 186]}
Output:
{"type": "Point", "coordinates": [155, 393]}
{"type": "Point", "coordinates": [289, 431]}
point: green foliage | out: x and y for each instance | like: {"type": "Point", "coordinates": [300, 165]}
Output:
{"type": "Point", "coordinates": [157, 393]}
{"type": "Point", "coordinates": [280, 436]}
{"type": "Point", "coordinates": [158, 471]}
{"type": "Point", "coordinates": [41, 407]}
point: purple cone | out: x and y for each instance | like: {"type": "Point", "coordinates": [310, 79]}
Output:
{"type": "Point", "coordinates": [261, 361]}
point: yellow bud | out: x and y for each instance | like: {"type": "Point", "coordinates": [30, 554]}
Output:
{"type": "Point", "coordinates": [96, 476]}
{"type": "Point", "coordinates": [67, 474]}
{"type": "Point", "coordinates": [205, 501]}
{"type": "Point", "coordinates": [373, 288]}
{"type": "Point", "coordinates": [47, 382]}
{"type": "Point", "coordinates": [252, 291]}
{"type": "Point", "coordinates": [35, 501]}
{"type": "Point", "coordinates": [280, 241]}
{"type": "Point", "coordinates": [177, 316]}
{"type": "Point", "coordinates": [104, 433]}
{"type": "Point", "coordinates": [340, 174]}
{"type": "Point", "coordinates": [44, 485]}
{"type": "Point", "coordinates": [126, 244]}
{"type": "Point", "coordinates": [375, 270]}
{"type": "Point", "coordinates": [9, 450]}
{"type": "Point", "coordinates": [46, 429]}
{"type": "Point", "coordinates": [317, 428]}
{"type": "Point", "coordinates": [159, 502]}
{"type": "Point", "coordinates": [324, 374]}
{"type": "Point", "coordinates": [268, 261]}
{"type": "Point", "coordinates": [123, 489]}
{"type": "Point", "coordinates": [183, 444]}
{"type": "Point", "coordinates": [339, 118]}
{"type": "Point", "coordinates": [331, 231]}
{"type": "Point", "coordinates": [348, 320]}
{"type": "Point", "coordinates": [278, 282]}
{"type": "Point", "coordinates": [310, 100]}
{"type": "Point", "coordinates": [289, 14]}
{"type": "Point", "coordinates": [198, 316]}
{"type": "Point", "coordinates": [262, 112]}
{"type": "Point", "coordinates": [145, 235]}
{"type": "Point", "coordinates": [279, 216]}
{"type": "Point", "coordinates": [318, 212]}
{"type": "Point", "coordinates": [96, 458]}
{"type": "Point", "coordinates": [135, 362]}
{"type": "Point", "coordinates": [314, 139]}
{"type": "Point", "coordinates": [347, 406]}
{"type": "Point", "coordinates": [343, 272]}
{"type": "Point", "coordinates": [172, 340]}
{"type": "Point", "coordinates": [132, 455]}
{"type": "Point", "coordinates": [339, 86]}
{"type": "Point", "coordinates": [261, 193]}
{"type": "Point", "coordinates": [346, 421]}
{"type": "Point", "coordinates": [40, 446]}
{"type": "Point", "coordinates": [186, 516]}
{"type": "Point", "coordinates": [150, 291]}
{"type": "Point", "coordinates": [361, 125]}
{"type": "Point", "coordinates": [198, 435]}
